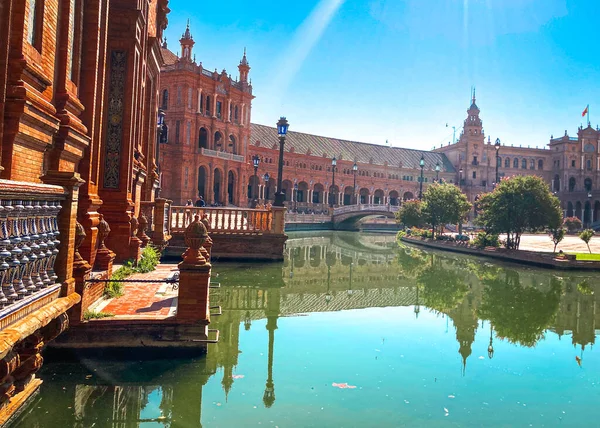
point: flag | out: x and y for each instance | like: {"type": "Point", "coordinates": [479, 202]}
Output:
{"type": "Point", "coordinates": [585, 111]}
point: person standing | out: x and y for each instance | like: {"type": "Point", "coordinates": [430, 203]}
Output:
{"type": "Point", "coordinates": [200, 202]}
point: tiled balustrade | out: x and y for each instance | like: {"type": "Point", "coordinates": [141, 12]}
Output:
{"type": "Point", "coordinates": [29, 239]}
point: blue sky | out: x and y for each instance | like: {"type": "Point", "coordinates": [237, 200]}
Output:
{"type": "Point", "coordinates": [400, 70]}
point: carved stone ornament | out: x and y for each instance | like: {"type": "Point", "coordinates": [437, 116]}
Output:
{"type": "Point", "coordinates": [134, 225]}
{"type": "Point", "coordinates": [195, 235]}
{"type": "Point", "coordinates": [79, 238]}
{"type": "Point", "coordinates": [103, 232]}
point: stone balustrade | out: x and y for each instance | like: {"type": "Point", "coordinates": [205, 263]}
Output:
{"type": "Point", "coordinates": [29, 246]}
{"type": "Point", "coordinates": [365, 207]}
{"type": "Point", "coordinates": [157, 216]}
{"type": "Point", "coordinates": [225, 220]}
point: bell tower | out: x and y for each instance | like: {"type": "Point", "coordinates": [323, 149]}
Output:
{"type": "Point", "coordinates": [244, 68]}
{"type": "Point", "coordinates": [187, 43]}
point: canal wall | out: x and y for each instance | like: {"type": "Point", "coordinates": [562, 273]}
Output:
{"type": "Point", "coordinates": [545, 260]}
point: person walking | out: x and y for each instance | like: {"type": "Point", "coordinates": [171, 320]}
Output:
{"type": "Point", "coordinates": [200, 202]}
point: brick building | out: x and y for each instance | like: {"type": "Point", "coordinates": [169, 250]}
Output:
{"type": "Point", "coordinates": [204, 149]}
{"type": "Point", "coordinates": [78, 106]}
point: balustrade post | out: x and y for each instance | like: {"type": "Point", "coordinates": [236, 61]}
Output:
{"type": "Point", "coordinates": [162, 218]}
{"type": "Point", "coordinates": [104, 256]}
{"type": "Point", "coordinates": [63, 226]}
{"type": "Point", "coordinates": [278, 220]}
{"type": "Point", "coordinates": [194, 277]}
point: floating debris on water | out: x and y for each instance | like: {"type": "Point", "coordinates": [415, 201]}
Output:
{"type": "Point", "coordinates": [343, 385]}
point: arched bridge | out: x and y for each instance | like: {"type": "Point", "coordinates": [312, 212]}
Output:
{"type": "Point", "coordinates": [348, 216]}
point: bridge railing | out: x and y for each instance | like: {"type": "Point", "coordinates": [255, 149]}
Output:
{"type": "Point", "coordinates": [224, 220]}
{"type": "Point", "coordinates": [365, 207]}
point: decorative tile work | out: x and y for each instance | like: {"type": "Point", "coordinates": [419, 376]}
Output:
{"type": "Point", "coordinates": [114, 128]}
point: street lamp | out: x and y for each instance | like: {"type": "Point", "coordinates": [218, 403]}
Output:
{"type": "Point", "coordinates": [354, 169]}
{"type": "Point", "coordinates": [282, 128]}
{"type": "Point", "coordinates": [437, 171]}
{"type": "Point", "coordinates": [255, 163]}
{"type": "Point", "coordinates": [266, 177]}
{"type": "Point", "coordinates": [497, 147]}
{"type": "Point", "coordinates": [296, 197]}
{"type": "Point", "coordinates": [460, 171]}
{"type": "Point", "coordinates": [422, 165]}
{"type": "Point", "coordinates": [332, 188]}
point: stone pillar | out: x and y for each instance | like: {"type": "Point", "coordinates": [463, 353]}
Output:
{"type": "Point", "coordinates": [135, 244]}
{"type": "Point", "coordinates": [67, 218]}
{"type": "Point", "coordinates": [161, 233]}
{"type": "Point", "coordinates": [193, 300]}
{"type": "Point", "coordinates": [278, 221]}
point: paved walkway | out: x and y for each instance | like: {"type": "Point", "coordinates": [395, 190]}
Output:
{"type": "Point", "coordinates": [154, 300]}
{"type": "Point", "coordinates": [571, 244]}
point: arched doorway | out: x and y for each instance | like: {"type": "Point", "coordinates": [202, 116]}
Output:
{"type": "Point", "coordinates": [587, 184]}
{"type": "Point", "coordinates": [596, 212]}
{"type": "Point", "coordinates": [334, 192]}
{"type": "Point", "coordinates": [231, 188]}
{"type": "Point", "coordinates": [253, 183]}
{"type": "Point", "coordinates": [318, 193]}
{"type": "Point", "coordinates": [570, 209]}
{"type": "Point", "coordinates": [269, 194]}
{"type": "Point", "coordinates": [232, 146]}
{"type": "Point", "coordinates": [408, 196]}
{"type": "Point", "coordinates": [556, 183]}
{"type": "Point", "coordinates": [302, 192]}
{"type": "Point", "coordinates": [202, 174]}
{"type": "Point", "coordinates": [378, 197]}
{"type": "Point", "coordinates": [364, 195]}
{"type": "Point", "coordinates": [348, 195]}
{"type": "Point", "coordinates": [578, 212]}
{"type": "Point", "coordinates": [572, 184]}
{"type": "Point", "coordinates": [203, 138]}
{"type": "Point", "coordinates": [394, 198]}
{"type": "Point", "coordinates": [217, 184]}
{"type": "Point", "coordinates": [287, 189]}
{"type": "Point", "coordinates": [587, 214]}
{"type": "Point", "coordinates": [218, 141]}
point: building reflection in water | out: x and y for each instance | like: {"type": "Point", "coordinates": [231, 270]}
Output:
{"type": "Point", "coordinates": [330, 273]}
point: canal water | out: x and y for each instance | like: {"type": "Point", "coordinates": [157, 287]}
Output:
{"type": "Point", "coordinates": [354, 331]}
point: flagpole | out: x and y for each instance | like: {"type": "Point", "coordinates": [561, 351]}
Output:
{"type": "Point", "coordinates": [588, 109]}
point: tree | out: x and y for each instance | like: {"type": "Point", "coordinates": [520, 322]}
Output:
{"type": "Point", "coordinates": [586, 236]}
{"type": "Point", "coordinates": [444, 204]}
{"type": "Point", "coordinates": [410, 214]}
{"type": "Point", "coordinates": [519, 204]}
{"type": "Point", "coordinates": [573, 224]}
{"type": "Point", "coordinates": [557, 235]}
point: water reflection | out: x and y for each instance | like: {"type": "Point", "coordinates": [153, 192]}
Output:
{"type": "Point", "coordinates": [324, 273]}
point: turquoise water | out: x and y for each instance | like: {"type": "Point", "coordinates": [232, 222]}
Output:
{"type": "Point", "coordinates": [351, 331]}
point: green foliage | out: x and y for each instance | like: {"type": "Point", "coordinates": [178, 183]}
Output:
{"type": "Point", "coordinates": [573, 224]}
{"type": "Point", "coordinates": [423, 233]}
{"type": "Point", "coordinates": [148, 261]}
{"type": "Point", "coordinates": [410, 214]}
{"type": "Point", "coordinates": [93, 315]}
{"type": "Point", "coordinates": [586, 236]}
{"type": "Point", "coordinates": [411, 260]}
{"type": "Point", "coordinates": [444, 203]}
{"type": "Point", "coordinates": [485, 239]}
{"type": "Point", "coordinates": [557, 235]}
{"type": "Point", "coordinates": [517, 205]}
{"type": "Point", "coordinates": [519, 313]}
{"type": "Point", "coordinates": [584, 288]}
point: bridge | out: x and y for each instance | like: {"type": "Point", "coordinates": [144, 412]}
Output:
{"type": "Point", "coordinates": [347, 217]}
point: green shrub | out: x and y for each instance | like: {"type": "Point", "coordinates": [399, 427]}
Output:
{"type": "Point", "coordinates": [484, 239]}
{"type": "Point", "coordinates": [92, 315]}
{"type": "Point", "coordinates": [586, 236]}
{"type": "Point", "coordinates": [148, 261]}
{"type": "Point", "coordinates": [573, 224]}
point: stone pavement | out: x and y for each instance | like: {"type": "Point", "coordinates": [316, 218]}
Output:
{"type": "Point", "coordinates": [144, 300]}
{"type": "Point", "coordinates": [571, 244]}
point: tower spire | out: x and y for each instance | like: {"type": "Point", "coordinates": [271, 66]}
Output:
{"type": "Point", "coordinates": [187, 43]}
{"type": "Point", "coordinates": [244, 68]}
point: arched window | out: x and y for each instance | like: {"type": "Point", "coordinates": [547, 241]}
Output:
{"type": "Point", "coordinates": [165, 99]}
{"type": "Point", "coordinates": [164, 134]}
{"type": "Point", "coordinates": [208, 104]}
{"type": "Point", "coordinates": [190, 97]}
{"type": "Point", "coordinates": [540, 164]}
{"type": "Point", "coordinates": [232, 145]}
{"type": "Point", "coordinates": [507, 163]}
{"type": "Point", "coordinates": [515, 163]}
{"type": "Point", "coordinates": [499, 162]}
{"type": "Point", "coordinates": [235, 114]}
{"type": "Point", "coordinates": [588, 164]}
{"type": "Point", "coordinates": [203, 139]}
{"type": "Point", "coordinates": [572, 184]}
{"type": "Point", "coordinates": [588, 184]}
{"type": "Point", "coordinates": [532, 164]}
{"type": "Point", "coordinates": [523, 163]}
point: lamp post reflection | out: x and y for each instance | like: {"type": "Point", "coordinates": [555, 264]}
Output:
{"type": "Point", "coordinates": [350, 291]}
{"type": "Point", "coordinates": [491, 345]}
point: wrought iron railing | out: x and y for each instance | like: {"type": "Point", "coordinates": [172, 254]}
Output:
{"type": "Point", "coordinates": [29, 240]}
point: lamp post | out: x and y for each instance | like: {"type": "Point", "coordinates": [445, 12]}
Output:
{"type": "Point", "coordinates": [354, 169]}
{"type": "Point", "coordinates": [497, 147]}
{"type": "Point", "coordinates": [282, 128]}
{"type": "Point", "coordinates": [333, 164]}
{"type": "Point", "coordinates": [255, 163]}
{"type": "Point", "coordinates": [460, 171]}
{"type": "Point", "coordinates": [160, 122]}
{"type": "Point", "coordinates": [296, 197]}
{"type": "Point", "coordinates": [266, 177]}
{"type": "Point", "coordinates": [422, 165]}
{"type": "Point", "coordinates": [437, 171]}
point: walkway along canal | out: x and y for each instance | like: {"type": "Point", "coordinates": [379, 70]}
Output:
{"type": "Point", "coordinates": [350, 330]}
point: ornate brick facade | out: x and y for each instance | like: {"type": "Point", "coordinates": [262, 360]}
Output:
{"type": "Point", "coordinates": [204, 149]}
{"type": "Point", "coordinates": [78, 106]}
